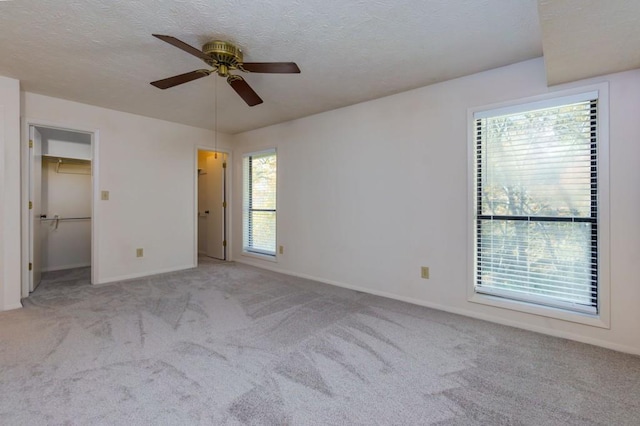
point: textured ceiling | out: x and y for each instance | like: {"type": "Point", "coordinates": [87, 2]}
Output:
{"type": "Point", "coordinates": [102, 52]}
{"type": "Point", "coordinates": [586, 38]}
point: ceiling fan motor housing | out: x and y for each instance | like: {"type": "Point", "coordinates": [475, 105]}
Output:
{"type": "Point", "coordinates": [226, 56]}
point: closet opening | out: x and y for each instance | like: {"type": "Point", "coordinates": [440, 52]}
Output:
{"type": "Point", "coordinates": [60, 206]}
{"type": "Point", "coordinates": [211, 204]}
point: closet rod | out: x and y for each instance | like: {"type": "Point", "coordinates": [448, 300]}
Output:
{"type": "Point", "coordinates": [65, 218]}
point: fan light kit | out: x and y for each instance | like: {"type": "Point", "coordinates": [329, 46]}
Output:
{"type": "Point", "coordinates": [224, 57]}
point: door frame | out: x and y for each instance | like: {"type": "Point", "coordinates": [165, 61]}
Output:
{"type": "Point", "coordinates": [227, 192]}
{"type": "Point", "coordinates": [26, 180]}
{"type": "Point", "coordinates": [35, 225]}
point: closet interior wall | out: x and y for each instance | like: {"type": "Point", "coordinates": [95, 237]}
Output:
{"type": "Point", "coordinates": [66, 202]}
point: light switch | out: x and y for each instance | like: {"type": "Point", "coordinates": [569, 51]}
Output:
{"type": "Point", "coordinates": [104, 195]}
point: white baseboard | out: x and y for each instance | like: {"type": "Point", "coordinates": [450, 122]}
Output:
{"type": "Point", "coordinates": [142, 274]}
{"type": "Point", "coordinates": [458, 311]}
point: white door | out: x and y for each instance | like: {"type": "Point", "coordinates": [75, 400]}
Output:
{"type": "Point", "coordinates": [214, 202]}
{"type": "Point", "coordinates": [35, 182]}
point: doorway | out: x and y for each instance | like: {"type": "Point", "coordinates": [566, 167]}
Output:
{"type": "Point", "coordinates": [60, 191]}
{"type": "Point", "coordinates": [212, 204]}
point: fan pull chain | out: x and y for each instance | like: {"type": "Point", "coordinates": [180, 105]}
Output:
{"type": "Point", "coordinates": [215, 117]}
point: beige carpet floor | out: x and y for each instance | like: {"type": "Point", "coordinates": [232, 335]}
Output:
{"type": "Point", "coordinates": [227, 344]}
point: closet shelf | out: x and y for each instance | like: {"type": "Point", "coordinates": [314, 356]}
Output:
{"type": "Point", "coordinates": [79, 166]}
{"type": "Point", "coordinates": [66, 160]}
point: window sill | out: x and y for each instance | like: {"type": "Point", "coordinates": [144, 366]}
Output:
{"type": "Point", "coordinates": [544, 311]}
{"type": "Point", "coordinates": [267, 257]}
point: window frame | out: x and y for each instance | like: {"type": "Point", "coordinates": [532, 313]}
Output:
{"type": "Point", "coordinates": [246, 251]}
{"type": "Point", "coordinates": [554, 98]}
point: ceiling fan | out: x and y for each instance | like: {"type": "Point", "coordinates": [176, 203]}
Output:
{"type": "Point", "coordinates": [224, 57]}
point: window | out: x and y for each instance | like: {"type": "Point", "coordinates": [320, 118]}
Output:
{"type": "Point", "coordinates": [536, 203]}
{"type": "Point", "coordinates": [259, 203]}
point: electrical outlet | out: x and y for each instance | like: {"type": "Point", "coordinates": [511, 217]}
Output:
{"type": "Point", "coordinates": [281, 250]}
{"type": "Point", "coordinates": [104, 195]}
{"type": "Point", "coordinates": [139, 252]}
{"type": "Point", "coordinates": [424, 272]}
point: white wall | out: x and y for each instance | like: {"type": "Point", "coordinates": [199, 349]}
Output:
{"type": "Point", "coordinates": [149, 168]}
{"type": "Point", "coordinates": [369, 193]}
{"type": "Point", "coordinates": [9, 194]}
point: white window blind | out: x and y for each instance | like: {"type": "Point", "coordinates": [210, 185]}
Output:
{"type": "Point", "coordinates": [536, 205]}
{"type": "Point", "coordinates": [259, 202]}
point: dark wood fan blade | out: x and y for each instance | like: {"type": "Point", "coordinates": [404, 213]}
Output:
{"type": "Point", "coordinates": [272, 67]}
{"type": "Point", "coordinates": [182, 45]}
{"type": "Point", "coordinates": [243, 89]}
{"type": "Point", "coordinates": [179, 79]}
